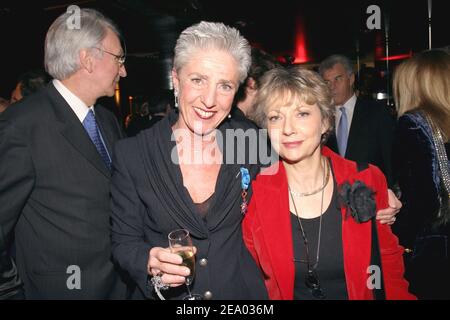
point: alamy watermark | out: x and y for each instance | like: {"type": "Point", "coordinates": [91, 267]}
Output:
{"type": "Point", "coordinates": [73, 22]}
{"type": "Point", "coordinates": [238, 146]}
{"type": "Point", "coordinates": [74, 280]}
{"type": "Point", "coordinates": [374, 280]}
{"type": "Point", "coordinates": [374, 20]}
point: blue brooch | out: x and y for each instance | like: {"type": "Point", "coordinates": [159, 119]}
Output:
{"type": "Point", "coordinates": [245, 183]}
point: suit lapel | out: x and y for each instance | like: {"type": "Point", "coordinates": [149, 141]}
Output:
{"type": "Point", "coordinates": [73, 131]}
{"type": "Point", "coordinates": [357, 129]}
{"type": "Point", "coordinates": [277, 230]}
{"type": "Point", "coordinates": [105, 129]}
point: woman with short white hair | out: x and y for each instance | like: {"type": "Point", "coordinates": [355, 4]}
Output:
{"type": "Point", "coordinates": [175, 175]}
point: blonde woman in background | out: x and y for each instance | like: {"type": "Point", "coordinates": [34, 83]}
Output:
{"type": "Point", "coordinates": [422, 95]}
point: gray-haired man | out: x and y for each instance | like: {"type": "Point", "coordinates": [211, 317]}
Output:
{"type": "Point", "coordinates": [364, 128]}
{"type": "Point", "coordinates": [55, 155]}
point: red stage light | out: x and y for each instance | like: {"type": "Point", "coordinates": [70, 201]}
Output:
{"type": "Point", "coordinates": [397, 57]}
{"type": "Point", "coordinates": [301, 55]}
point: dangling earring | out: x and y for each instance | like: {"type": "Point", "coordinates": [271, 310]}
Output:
{"type": "Point", "coordinates": [229, 116]}
{"type": "Point", "coordinates": [175, 93]}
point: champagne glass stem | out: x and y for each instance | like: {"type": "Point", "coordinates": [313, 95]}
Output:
{"type": "Point", "coordinates": [188, 289]}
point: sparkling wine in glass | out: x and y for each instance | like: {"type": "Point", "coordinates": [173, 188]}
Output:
{"type": "Point", "coordinates": [180, 243]}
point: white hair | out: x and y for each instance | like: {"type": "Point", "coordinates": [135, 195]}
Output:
{"type": "Point", "coordinates": [63, 42]}
{"type": "Point", "coordinates": [212, 35]}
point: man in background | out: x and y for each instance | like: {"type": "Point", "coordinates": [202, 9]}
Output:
{"type": "Point", "coordinates": [364, 130]}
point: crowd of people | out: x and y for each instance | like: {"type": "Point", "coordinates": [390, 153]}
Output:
{"type": "Point", "coordinates": [86, 212]}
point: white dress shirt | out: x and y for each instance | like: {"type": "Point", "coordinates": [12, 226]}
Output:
{"type": "Point", "coordinates": [78, 106]}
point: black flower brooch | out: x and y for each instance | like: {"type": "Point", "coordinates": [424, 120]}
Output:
{"type": "Point", "coordinates": [359, 200]}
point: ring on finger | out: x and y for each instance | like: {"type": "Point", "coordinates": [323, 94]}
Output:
{"type": "Point", "coordinates": [158, 283]}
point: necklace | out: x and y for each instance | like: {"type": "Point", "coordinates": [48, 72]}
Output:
{"type": "Point", "coordinates": [311, 279]}
{"type": "Point", "coordinates": [325, 181]}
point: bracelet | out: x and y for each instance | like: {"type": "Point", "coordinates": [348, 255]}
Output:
{"type": "Point", "coordinates": [158, 284]}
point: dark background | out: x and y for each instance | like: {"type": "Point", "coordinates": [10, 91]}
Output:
{"type": "Point", "coordinates": [306, 30]}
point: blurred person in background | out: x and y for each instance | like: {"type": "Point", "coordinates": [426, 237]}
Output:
{"type": "Point", "coordinates": [245, 96]}
{"type": "Point", "coordinates": [421, 152]}
{"type": "Point", "coordinates": [150, 112]}
{"type": "Point", "coordinates": [29, 82]}
{"type": "Point", "coordinates": [3, 104]}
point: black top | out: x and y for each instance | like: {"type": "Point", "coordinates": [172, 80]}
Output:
{"type": "Point", "coordinates": [330, 269]}
{"type": "Point", "coordinates": [203, 207]}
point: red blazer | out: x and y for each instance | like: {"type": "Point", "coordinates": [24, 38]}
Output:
{"type": "Point", "coordinates": [268, 235]}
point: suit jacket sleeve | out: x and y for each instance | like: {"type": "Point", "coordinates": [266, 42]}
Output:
{"type": "Point", "coordinates": [386, 134]}
{"type": "Point", "coordinates": [391, 252]}
{"type": "Point", "coordinates": [16, 184]}
{"type": "Point", "coordinates": [129, 246]}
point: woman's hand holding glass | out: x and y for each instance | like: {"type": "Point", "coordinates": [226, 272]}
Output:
{"type": "Point", "coordinates": [169, 264]}
{"type": "Point", "coordinates": [180, 242]}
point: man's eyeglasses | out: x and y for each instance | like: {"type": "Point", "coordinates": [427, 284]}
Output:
{"type": "Point", "coordinates": [120, 59]}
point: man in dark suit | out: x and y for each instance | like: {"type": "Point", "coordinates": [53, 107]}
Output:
{"type": "Point", "coordinates": [55, 154]}
{"type": "Point", "coordinates": [364, 128]}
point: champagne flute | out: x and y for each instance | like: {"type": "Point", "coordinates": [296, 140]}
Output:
{"type": "Point", "coordinates": [180, 243]}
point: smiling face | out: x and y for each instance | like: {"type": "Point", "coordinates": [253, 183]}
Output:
{"type": "Point", "coordinates": [206, 86]}
{"type": "Point", "coordinates": [295, 129]}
